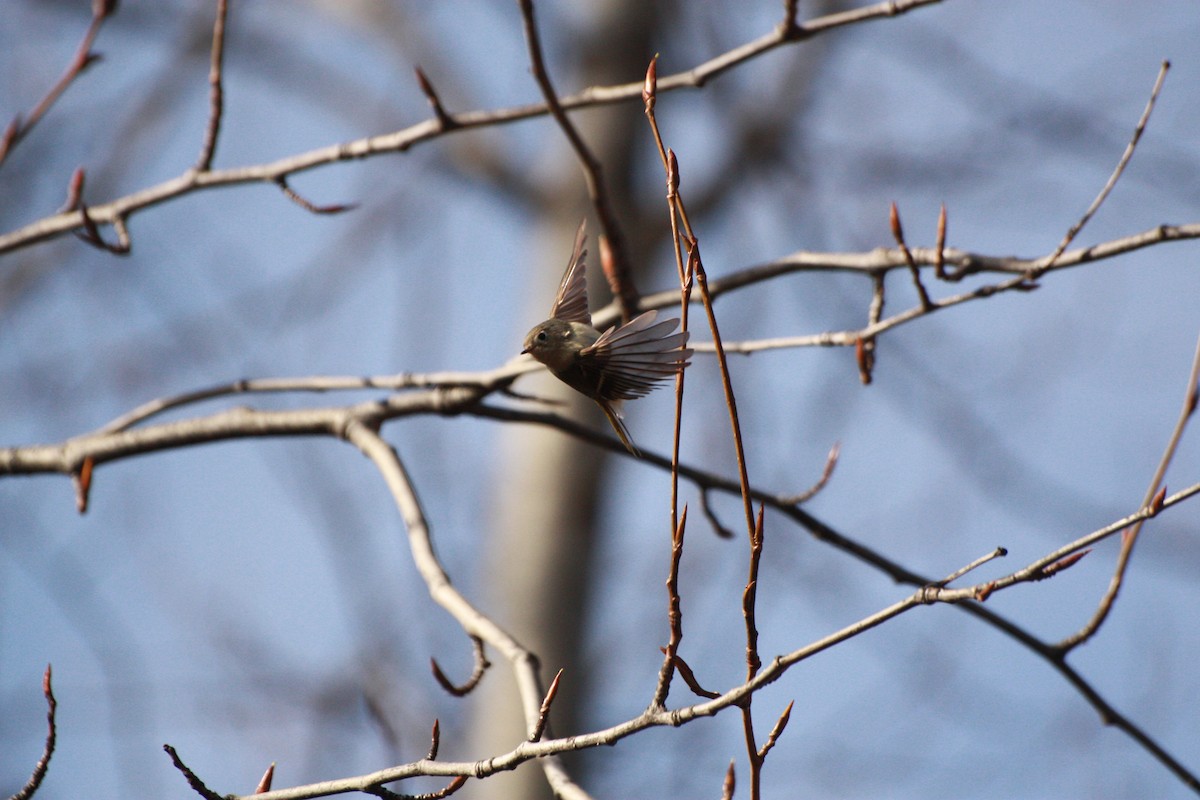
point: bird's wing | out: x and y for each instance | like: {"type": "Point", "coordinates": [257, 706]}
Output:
{"type": "Point", "coordinates": [571, 302]}
{"type": "Point", "coordinates": [629, 361]}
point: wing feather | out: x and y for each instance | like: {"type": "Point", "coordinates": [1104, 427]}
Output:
{"type": "Point", "coordinates": [571, 302]}
{"type": "Point", "coordinates": [631, 360]}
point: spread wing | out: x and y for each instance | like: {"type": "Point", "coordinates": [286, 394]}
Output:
{"type": "Point", "coordinates": [629, 361]}
{"type": "Point", "coordinates": [571, 302]}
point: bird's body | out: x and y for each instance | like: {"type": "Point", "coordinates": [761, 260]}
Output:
{"type": "Point", "coordinates": [619, 364]}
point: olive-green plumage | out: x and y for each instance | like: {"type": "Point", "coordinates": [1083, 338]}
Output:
{"type": "Point", "coordinates": [620, 364]}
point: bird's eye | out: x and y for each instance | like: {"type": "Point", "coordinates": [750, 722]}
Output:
{"type": "Point", "coordinates": [541, 337]}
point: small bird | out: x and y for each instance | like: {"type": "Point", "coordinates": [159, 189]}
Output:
{"type": "Point", "coordinates": [620, 364]}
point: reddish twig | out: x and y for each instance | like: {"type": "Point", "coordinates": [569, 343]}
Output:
{"type": "Point", "coordinates": [308, 205]}
{"type": "Point", "coordinates": [192, 778]}
{"type": "Point", "coordinates": [689, 677]}
{"type": "Point", "coordinates": [750, 596]}
{"type": "Point", "coordinates": [711, 516]}
{"type": "Point", "coordinates": [74, 190]}
{"type": "Point", "coordinates": [678, 522]}
{"type": "Point", "coordinates": [20, 126]}
{"type": "Point", "coordinates": [898, 235]}
{"type": "Point", "coordinates": [91, 231]}
{"type": "Point", "coordinates": [481, 666]}
{"type": "Point", "coordinates": [864, 347]}
{"type": "Point", "coordinates": [446, 791]}
{"type": "Point", "coordinates": [39, 770]}
{"type": "Point", "coordinates": [445, 121]}
{"type": "Point", "coordinates": [776, 732]}
{"type": "Point", "coordinates": [827, 473]}
{"type": "Point", "coordinates": [674, 616]}
{"type": "Point", "coordinates": [939, 258]}
{"type": "Point", "coordinates": [1050, 570]}
{"type": "Point", "coordinates": [684, 235]}
{"type": "Point", "coordinates": [593, 172]}
{"type": "Point", "coordinates": [435, 740]}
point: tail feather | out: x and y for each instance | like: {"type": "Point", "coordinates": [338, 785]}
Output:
{"type": "Point", "coordinates": [618, 425]}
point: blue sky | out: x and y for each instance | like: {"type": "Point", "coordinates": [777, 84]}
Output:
{"type": "Point", "coordinates": [240, 600]}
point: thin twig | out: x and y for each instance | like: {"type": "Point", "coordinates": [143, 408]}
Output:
{"type": "Point", "coordinates": [473, 621]}
{"type": "Point", "coordinates": [308, 205]}
{"type": "Point", "coordinates": [689, 677]}
{"type": "Point", "coordinates": [706, 507]}
{"type": "Point", "coordinates": [999, 552]}
{"type": "Point", "coordinates": [830, 462]}
{"type": "Point", "coordinates": [43, 764]}
{"type": "Point", "coordinates": [1119, 170]}
{"type": "Point", "coordinates": [776, 732]}
{"type": "Point", "coordinates": [192, 778]}
{"type": "Point", "coordinates": [864, 347]}
{"type": "Point", "coordinates": [753, 660]}
{"type": "Point", "coordinates": [20, 126]}
{"type": "Point", "coordinates": [674, 615]}
{"type": "Point", "coordinates": [593, 171]}
{"type": "Point", "coordinates": [400, 141]}
{"type": "Point", "coordinates": [216, 93]}
{"type": "Point", "coordinates": [481, 667]}
{"type": "Point", "coordinates": [695, 272]}
{"type": "Point", "coordinates": [678, 523]}
{"type": "Point", "coordinates": [445, 120]}
{"type": "Point", "coordinates": [898, 235]}
{"type": "Point", "coordinates": [1130, 537]}
{"type": "Point", "coordinates": [91, 232]}
{"type": "Point", "coordinates": [166, 435]}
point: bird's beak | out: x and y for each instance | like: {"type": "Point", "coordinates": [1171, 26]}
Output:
{"type": "Point", "coordinates": [524, 351]}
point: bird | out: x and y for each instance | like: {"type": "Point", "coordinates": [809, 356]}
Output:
{"type": "Point", "coordinates": [624, 362]}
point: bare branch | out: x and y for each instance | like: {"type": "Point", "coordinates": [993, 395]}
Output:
{"type": "Point", "coordinates": [618, 270]}
{"type": "Point", "coordinates": [39, 770]}
{"type": "Point", "coordinates": [216, 92]}
{"type": "Point", "coordinates": [674, 610]}
{"type": "Point", "coordinates": [1153, 501]}
{"type": "Point", "coordinates": [481, 667]}
{"type": "Point", "coordinates": [20, 126]}
{"type": "Point", "coordinates": [898, 235]}
{"type": "Point", "coordinates": [400, 141]}
{"type": "Point", "coordinates": [446, 121]}
{"type": "Point", "coordinates": [999, 552]}
{"type": "Point", "coordinates": [308, 205]}
{"type": "Point", "coordinates": [472, 620]}
{"type": "Point", "coordinates": [1113, 178]}
{"type": "Point", "coordinates": [192, 778]}
{"type": "Point", "coordinates": [827, 473]}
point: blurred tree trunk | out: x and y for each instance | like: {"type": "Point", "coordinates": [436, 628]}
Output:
{"type": "Point", "coordinates": [540, 546]}
{"type": "Point", "coordinates": [541, 543]}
